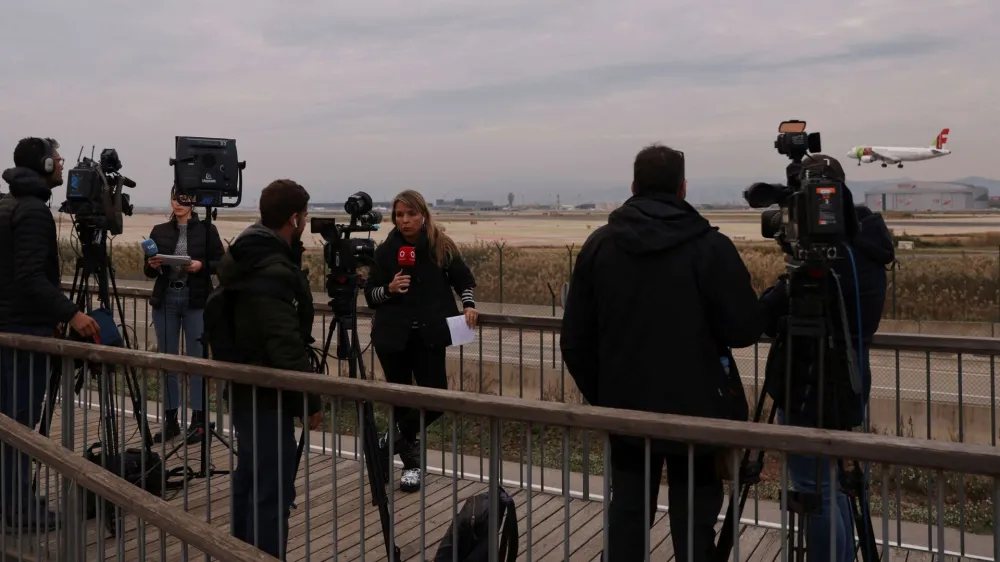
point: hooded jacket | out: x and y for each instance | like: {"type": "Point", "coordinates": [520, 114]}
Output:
{"type": "Point", "coordinates": [273, 310]}
{"type": "Point", "coordinates": [655, 297]}
{"type": "Point", "coordinates": [30, 276]}
{"type": "Point", "coordinates": [863, 283]}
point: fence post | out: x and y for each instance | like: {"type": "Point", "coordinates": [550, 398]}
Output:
{"type": "Point", "coordinates": [895, 288]}
{"type": "Point", "coordinates": [500, 247]}
{"type": "Point", "coordinates": [553, 293]}
{"type": "Point", "coordinates": [569, 272]}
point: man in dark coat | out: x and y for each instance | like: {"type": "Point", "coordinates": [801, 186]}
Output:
{"type": "Point", "coordinates": [273, 318]}
{"type": "Point", "coordinates": [31, 303]}
{"type": "Point", "coordinates": [656, 299]}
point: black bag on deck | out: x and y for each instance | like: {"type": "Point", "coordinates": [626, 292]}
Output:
{"type": "Point", "coordinates": [472, 540]}
{"type": "Point", "coordinates": [151, 481]}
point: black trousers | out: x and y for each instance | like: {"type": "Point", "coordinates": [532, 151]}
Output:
{"type": "Point", "coordinates": [419, 363]}
{"type": "Point", "coordinates": [261, 516]}
{"type": "Point", "coordinates": [626, 540]}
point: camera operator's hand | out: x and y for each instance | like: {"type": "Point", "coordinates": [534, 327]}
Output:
{"type": "Point", "coordinates": [155, 262]}
{"type": "Point", "coordinates": [193, 267]}
{"type": "Point", "coordinates": [84, 325]}
{"type": "Point", "coordinates": [400, 284]}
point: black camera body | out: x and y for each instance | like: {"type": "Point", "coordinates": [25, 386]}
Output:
{"type": "Point", "coordinates": [344, 254]}
{"type": "Point", "coordinates": [810, 222]}
{"type": "Point", "coordinates": [94, 193]}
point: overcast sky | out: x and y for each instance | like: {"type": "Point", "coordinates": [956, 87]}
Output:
{"type": "Point", "coordinates": [464, 97]}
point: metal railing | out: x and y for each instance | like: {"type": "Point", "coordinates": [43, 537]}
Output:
{"type": "Point", "coordinates": [483, 442]}
{"type": "Point", "coordinates": [930, 386]}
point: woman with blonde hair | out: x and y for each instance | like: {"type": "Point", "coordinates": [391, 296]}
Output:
{"type": "Point", "coordinates": [410, 330]}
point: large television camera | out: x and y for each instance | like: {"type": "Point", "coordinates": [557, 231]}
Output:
{"type": "Point", "coordinates": [95, 195]}
{"type": "Point", "coordinates": [342, 253]}
{"type": "Point", "coordinates": [812, 218]}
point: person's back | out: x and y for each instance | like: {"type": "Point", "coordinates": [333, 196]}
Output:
{"type": "Point", "coordinates": [656, 298]}
{"type": "Point", "coordinates": [272, 316]}
{"type": "Point", "coordinates": [30, 277]}
{"type": "Point", "coordinates": [671, 294]}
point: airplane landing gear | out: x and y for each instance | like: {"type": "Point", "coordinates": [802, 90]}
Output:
{"type": "Point", "coordinates": [884, 165]}
{"type": "Point", "coordinates": [899, 166]}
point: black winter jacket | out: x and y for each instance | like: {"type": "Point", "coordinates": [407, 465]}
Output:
{"type": "Point", "coordinates": [655, 297]}
{"type": "Point", "coordinates": [427, 304]}
{"type": "Point", "coordinates": [30, 276]}
{"type": "Point", "coordinates": [273, 313]}
{"type": "Point", "coordinates": [200, 284]}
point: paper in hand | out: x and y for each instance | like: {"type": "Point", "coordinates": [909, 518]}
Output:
{"type": "Point", "coordinates": [460, 331]}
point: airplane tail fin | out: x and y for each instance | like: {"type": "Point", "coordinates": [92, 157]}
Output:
{"type": "Point", "coordinates": [942, 138]}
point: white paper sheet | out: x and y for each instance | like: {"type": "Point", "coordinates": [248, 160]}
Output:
{"type": "Point", "coordinates": [461, 333]}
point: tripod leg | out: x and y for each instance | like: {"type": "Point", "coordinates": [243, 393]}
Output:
{"type": "Point", "coordinates": [375, 480]}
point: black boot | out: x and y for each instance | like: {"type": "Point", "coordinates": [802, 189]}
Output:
{"type": "Point", "coordinates": [171, 428]}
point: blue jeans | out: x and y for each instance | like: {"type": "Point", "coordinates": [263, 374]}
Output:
{"type": "Point", "coordinates": [273, 499]}
{"type": "Point", "coordinates": [802, 474]}
{"type": "Point", "coordinates": [168, 320]}
{"type": "Point", "coordinates": [24, 378]}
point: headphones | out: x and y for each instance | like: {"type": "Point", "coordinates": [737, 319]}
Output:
{"type": "Point", "coordinates": [48, 162]}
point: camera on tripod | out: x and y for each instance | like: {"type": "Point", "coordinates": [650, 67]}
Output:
{"type": "Point", "coordinates": [342, 253]}
{"type": "Point", "coordinates": [810, 222]}
{"type": "Point", "coordinates": [94, 193]}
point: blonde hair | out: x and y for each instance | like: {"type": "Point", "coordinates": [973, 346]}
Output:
{"type": "Point", "coordinates": [441, 246]}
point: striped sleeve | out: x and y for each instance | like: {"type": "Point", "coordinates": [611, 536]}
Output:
{"type": "Point", "coordinates": [468, 301]}
{"type": "Point", "coordinates": [380, 295]}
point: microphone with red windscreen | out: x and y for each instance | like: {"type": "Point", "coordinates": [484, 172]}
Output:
{"type": "Point", "coordinates": [407, 258]}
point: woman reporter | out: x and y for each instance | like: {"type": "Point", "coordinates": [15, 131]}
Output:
{"type": "Point", "coordinates": [410, 331]}
{"type": "Point", "coordinates": [178, 301]}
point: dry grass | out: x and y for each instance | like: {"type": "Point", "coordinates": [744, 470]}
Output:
{"type": "Point", "coordinates": [949, 287]}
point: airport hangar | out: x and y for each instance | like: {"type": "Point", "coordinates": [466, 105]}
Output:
{"type": "Point", "coordinates": [927, 196]}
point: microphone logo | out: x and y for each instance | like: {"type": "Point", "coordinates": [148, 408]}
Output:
{"type": "Point", "coordinates": [407, 256]}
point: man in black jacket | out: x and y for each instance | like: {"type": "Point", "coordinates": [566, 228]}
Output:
{"type": "Point", "coordinates": [656, 299]}
{"type": "Point", "coordinates": [862, 277]}
{"type": "Point", "coordinates": [31, 303]}
{"type": "Point", "coordinates": [273, 318]}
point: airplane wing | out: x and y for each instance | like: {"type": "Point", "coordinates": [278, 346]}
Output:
{"type": "Point", "coordinates": [885, 158]}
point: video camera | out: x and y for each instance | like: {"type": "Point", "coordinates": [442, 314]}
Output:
{"type": "Point", "coordinates": [94, 194]}
{"type": "Point", "coordinates": [810, 222]}
{"type": "Point", "coordinates": [342, 253]}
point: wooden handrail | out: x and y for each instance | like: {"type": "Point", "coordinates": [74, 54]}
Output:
{"type": "Point", "coordinates": [192, 530]}
{"type": "Point", "coordinates": [925, 453]}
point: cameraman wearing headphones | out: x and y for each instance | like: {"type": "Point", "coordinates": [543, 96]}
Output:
{"type": "Point", "coordinates": [31, 303]}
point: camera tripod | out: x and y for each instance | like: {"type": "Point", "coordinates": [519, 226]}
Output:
{"type": "Point", "coordinates": [206, 469]}
{"type": "Point", "coordinates": [344, 292]}
{"type": "Point", "coordinates": [809, 324]}
{"type": "Point", "coordinates": [94, 264]}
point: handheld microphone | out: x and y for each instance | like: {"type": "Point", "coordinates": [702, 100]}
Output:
{"type": "Point", "coordinates": [407, 258]}
{"type": "Point", "coordinates": [149, 247]}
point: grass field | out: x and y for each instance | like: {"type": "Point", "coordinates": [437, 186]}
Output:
{"type": "Point", "coordinates": [953, 286]}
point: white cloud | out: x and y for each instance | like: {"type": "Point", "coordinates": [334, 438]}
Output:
{"type": "Point", "coordinates": [441, 95]}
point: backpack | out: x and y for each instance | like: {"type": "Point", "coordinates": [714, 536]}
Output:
{"type": "Point", "coordinates": [468, 534]}
{"type": "Point", "coordinates": [220, 326]}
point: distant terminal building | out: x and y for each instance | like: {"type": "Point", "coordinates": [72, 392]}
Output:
{"type": "Point", "coordinates": [927, 196]}
{"type": "Point", "coordinates": [466, 205]}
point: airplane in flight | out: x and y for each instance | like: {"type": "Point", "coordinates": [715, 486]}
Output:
{"type": "Point", "coordinates": [899, 154]}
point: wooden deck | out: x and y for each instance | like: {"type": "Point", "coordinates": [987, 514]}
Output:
{"type": "Point", "coordinates": [334, 519]}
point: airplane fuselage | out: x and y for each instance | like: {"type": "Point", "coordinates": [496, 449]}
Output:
{"type": "Point", "coordinates": [896, 153]}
